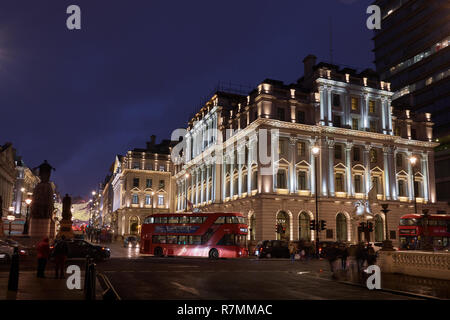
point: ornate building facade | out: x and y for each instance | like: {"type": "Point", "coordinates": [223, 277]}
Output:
{"type": "Point", "coordinates": [7, 177]}
{"type": "Point", "coordinates": [24, 185]}
{"type": "Point", "coordinates": [140, 184]}
{"type": "Point", "coordinates": [363, 146]}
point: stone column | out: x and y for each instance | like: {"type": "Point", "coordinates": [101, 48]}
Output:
{"type": "Point", "coordinates": [387, 172]}
{"type": "Point", "coordinates": [331, 144]}
{"type": "Point", "coordinates": [348, 164]}
{"type": "Point", "coordinates": [202, 185]}
{"type": "Point", "coordinates": [330, 118]}
{"type": "Point", "coordinates": [410, 180]}
{"type": "Point", "coordinates": [366, 159]}
{"type": "Point", "coordinates": [292, 180]}
{"type": "Point", "coordinates": [208, 174]}
{"type": "Point", "coordinates": [424, 169]}
{"type": "Point", "coordinates": [322, 105]}
{"type": "Point", "coordinates": [431, 177]}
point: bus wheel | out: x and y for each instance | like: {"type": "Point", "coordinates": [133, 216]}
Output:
{"type": "Point", "coordinates": [213, 254]}
{"type": "Point", "coordinates": [158, 252]}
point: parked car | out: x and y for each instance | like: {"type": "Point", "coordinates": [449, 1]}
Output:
{"type": "Point", "coordinates": [7, 249]}
{"type": "Point", "coordinates": [81, 249]}
{"type": "Point", "coordinates": [272, 249]}
{"type": "Point", "coordinates": [131, 242]}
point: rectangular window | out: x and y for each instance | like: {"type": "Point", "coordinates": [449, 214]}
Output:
{"type": "Point", "coordinates": [160, 200]}
{"type": "Point", "coordinates": [195, 240]}
{"type": "Point", "coordinates": [372, 107]}
{"type": "Point", "coordinates": [135, 199]}
{"type": "Point", "coordinates": [136, 165]}
{"type": "Point", "coordinates": [417, 189]}
{"type": "Point", "coordinates": [282, 146]}
{"type": "Point", "coordinates": [173, 219]}
{"type": "Point", "coordinates": [136, 182]}
{"type": "Point", "coordinates": [413, 134]}
{"type": "Point", "coordinates": [162, 184]}
{"type": "Point", "coordinates": [355, 124]}
{"type": "Point", "coordinates": [280, 114]}
{"type": "Point", "coordinates": [338, 151]}
{"type": "Point", "coordinates": [281, 179]}
{"type": "Point", "coordinates": [301, 180]}
{"type": "Point", "coordinates": [161, 168]}
{"type": "Point", "coordinates": [401, 188]}
{"type": "Point", "coordinates": [197, 219]}
{"type": "Point", "coordinates": [397, 131]}
{"type": "Point", "coordinates": [358, 184]}
{"type": "Point", "coordinates": [148, 199]}
{"type": "Point", "coordinates": [148, 183]}
{"type": "Point", "coordinates": [337, 121]}
{"type": "Point", "coordinates": [356, 154]}
{"type": "Point", "coordinates": [339, 182]}
{"type": "Point", "coordinates": [355, 103]}
{"type": "Point", "coordinates": [336, 100]}
{"type": "Point", "coordinates": [300, 117]}
{"type": "Point", "coordinates": [301, 149]}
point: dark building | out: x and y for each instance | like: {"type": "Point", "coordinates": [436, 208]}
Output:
{"type": "Point", "coordinates": [412, 53]}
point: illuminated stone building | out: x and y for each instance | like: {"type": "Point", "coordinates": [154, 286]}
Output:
{"type": "Point", "coordinates": [7, 177]}
{"type": "Point", "coordinates": [139, 184]}
{"type": "Point", "coordinates": [364, 147]}
{"type": "Point", "coordinates": [24, 185]}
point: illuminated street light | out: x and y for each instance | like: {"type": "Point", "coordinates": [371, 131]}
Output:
{"type": "Point", "coordinates": [22, 189]}
{"type": "Point", "coordinates": [94, 193]}
{"type": "Point", "coordinates": [27, 218]}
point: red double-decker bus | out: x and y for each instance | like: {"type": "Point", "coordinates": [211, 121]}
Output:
{"type": "Point", "coordinates": [213, 235]}
{"type": "Point", "coordinates": [411, 231]}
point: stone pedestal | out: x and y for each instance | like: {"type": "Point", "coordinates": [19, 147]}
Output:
{"type": "Point", "coordinates": [65, 229]}
{"type": "Point", "coordinates": [387, 246]}
{"type": "Point", "coordinates": [39, 228]}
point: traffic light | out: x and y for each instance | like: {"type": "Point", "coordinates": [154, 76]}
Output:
{"type": "Point", "coordinates": [323, 224]}
{"type": "Point", "coordinates": [312, 225]}
{"type": "Point", "coordinates": [370, 226]}
{"type": "Point", "coordinates": [283, 229]}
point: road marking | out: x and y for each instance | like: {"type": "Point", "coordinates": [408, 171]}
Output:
{"type": "Point", "coordinates": [187, 289]}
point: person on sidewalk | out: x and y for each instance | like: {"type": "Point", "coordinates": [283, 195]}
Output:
{"type": "Point", "coordinates": [43, 251]}
{"type": "Point", "coordinates": [292, 251]}
{"type": "Point", "coordinates": [344, 255]}
{"type": "Point", "coordinates": [60, 253]}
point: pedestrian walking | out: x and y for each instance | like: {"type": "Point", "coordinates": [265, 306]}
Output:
{"type": "Point", "coordinates": [302, 255]}
{"type": "Point", "coordinates": [331, 254]}
{"type": "Point", "coordinates": [292, 251]}
{"type": "Point", "coordinates": [360, 256]}
{"type": "Point", "coordinates": [43, 251]}
{"type": "Point", "coordinates": [60, 253]}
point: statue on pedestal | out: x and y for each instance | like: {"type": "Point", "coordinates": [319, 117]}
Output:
{"type": "Point", "coordinates": [65, 224]}
{"type": "Point", "coordinates": [42, 205]}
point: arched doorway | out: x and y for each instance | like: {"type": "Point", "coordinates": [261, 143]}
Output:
{"type": "Point", "coordinates": [379, 228]}
{"type": "Point", "coordinates": [134, 225]}
{"type": "Point", "coordinates": [304, 233]}
{"type": "Point", "coordinates": [341, 227]}
{"type": "Point", "coordinates": [283, 223]}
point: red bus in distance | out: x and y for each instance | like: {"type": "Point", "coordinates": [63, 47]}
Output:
{"type": "Point", "coordinates": [213, 235]}
{"type": "Point", "coordinates": [411, 231]}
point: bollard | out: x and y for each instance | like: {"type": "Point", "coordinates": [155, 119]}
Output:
{"type": "Point", "coordinates": [93, 280]}
{"type": "Point", "coordinates": [13, 281]}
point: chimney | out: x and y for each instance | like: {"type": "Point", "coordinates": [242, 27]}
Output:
{"type": "Point", "coordinates": [152, 141]}
{"type": "Point", "coordinates": [309, 62]}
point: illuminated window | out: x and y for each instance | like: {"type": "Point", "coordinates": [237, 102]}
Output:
{"type": "Point", "coordinates": [339, 182]}
{"type": "Point", "coordinates": [301, 149]}
{"type": "Point", "coordinates": [355, 103]}
{"type": "Point", "coordinates": [356, 154]}
{"type": "Point", "coordinates": [148, 199]}
{"type": "Point", "coordinates": [162, 184]}
{"type": "Point", "coordinates": [373, 156]}
{"type": "Point", "coordinates": [397, 131]}
{"type": "Point", "coordinates": [357, 184]}
{"type": "Point", "coordinates": [338, 151]}
{"type": "Point", "coordinates": [160, 200]}
{"type": "Point", "coordinates": [282, 146]}
{"type": "Point", "coordinates": [135, 199]}
{"type": "Point", "coordinates": [372, 106]}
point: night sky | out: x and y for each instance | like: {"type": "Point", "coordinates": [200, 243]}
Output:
{"type": "Point", "coordinates": [141, 67]}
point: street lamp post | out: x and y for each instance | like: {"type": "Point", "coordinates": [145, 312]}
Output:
{"type": "Point", "coordinates": [413, 161]}
{"type": "Point", "coordinates": [426, 244]}
{"type": "Point", "coordinates": [315, 151]}
{"type": "Point", "coordinates": [27, 218]}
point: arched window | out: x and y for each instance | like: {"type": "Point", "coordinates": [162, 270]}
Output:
{"type": "Point", "coordinates": [304, 232]}
{"type": "Point", "coordinates": [283, 223]}
{"type": "Point", "coordinates": [134, 225]}
{"type": "Point", "coordinates": [244, 182]}
{"type": "Point", "coordinates": [341, 227]}
{"type": "Point", "coordinates": [379, 228]}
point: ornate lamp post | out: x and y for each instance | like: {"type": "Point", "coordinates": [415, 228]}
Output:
{"type": "Point", "coordinates": [413, 161]}
{"type": "Point", "coordinates": [387, 244]}
{"type": "Point", "coordinates": [27, 218]}
{"type": "Point", "coordinates": [315, 151]}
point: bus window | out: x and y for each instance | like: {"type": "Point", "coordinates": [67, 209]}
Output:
{"type": "Point", "coordinates": [208, 234]}
{"type": "Point", "coordinates": [220, 220]}
{"type": "Point", "coordinates": [160, 219]}
{"type": "Point", "coordinates": [408, 222]}
{"type": "Point", "coordinates": [184, 219]}
{"type": "Point", "coordinates": [195, 239]}
{"type": "Point", "coordinates": [173, 219]}
{"type": "Point", "coordinates": [227, 240]}
{"type": "Point", "coordinates": [148, 220]}
{"type": "Point", "coordinates": [159, 239]}
{"type": "Point", "coordinates": [241, 220]}
{"type": "Point", "coordinates": [195, 220]}
{"type": "Point", "coordinates": [182, 239]}
{"type": "Point", "coordinates": [240, 239]}
{"type": "Point", "coordinates": [171, 239]}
